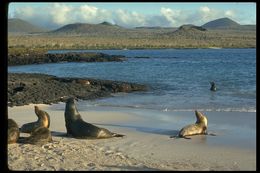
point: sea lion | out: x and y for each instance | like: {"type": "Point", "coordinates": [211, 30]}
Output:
{"type": "Point", "coordinates": [213, 86]}
{"type": "Point", "coordinates": [78, 128]}
{"type": "Point", "coordinates": [199, 128]}
{"type": "Point", "coordinates": [43, 120]}
{"type": "Point", "coordinates": [39, 136]}
{"type": "Point", "coordinates": [13, 131]}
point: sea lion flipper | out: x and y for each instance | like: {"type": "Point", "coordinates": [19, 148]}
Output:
{"type": "Point", "coordinates": [174, 136]}
{"type": "Point", "coordinates": [211, 134]}
{"type": "Point", "coordinates": [117, 135]}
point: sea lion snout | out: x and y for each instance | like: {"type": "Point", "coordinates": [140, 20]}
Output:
{"type": "Point", "coordinates": [72, 100]}
{"type": "Point", "coordinates": [201, 118]}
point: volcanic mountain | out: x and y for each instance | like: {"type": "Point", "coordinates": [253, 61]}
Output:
{"type": "Point", "coordinates": [221, 24]}
{"type": "Point", "coordinates": [101, 29]}
{"type": "Point", "coordinates": [16, 25]}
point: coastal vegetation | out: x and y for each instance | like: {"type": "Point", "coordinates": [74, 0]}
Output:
{"type": "Point", "coordinates": [108, 36]}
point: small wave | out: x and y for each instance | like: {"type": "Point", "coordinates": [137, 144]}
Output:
{"type": "Point", "coordinates": [158, 108]}
{"type": "Point", "coordinates": [211, 110]}
{"type": "Point", "coordinates": [121, 106]}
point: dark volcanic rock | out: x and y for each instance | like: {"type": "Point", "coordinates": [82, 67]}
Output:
{"type": "Point", "coordinates": [38, 58]}
{"type": "Point", "coordinates": [27, 88]}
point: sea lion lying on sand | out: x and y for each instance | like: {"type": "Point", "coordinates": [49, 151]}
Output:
{"type": "Point", "coordinates": [39, 136]}
{"type": "Point", "coordinates": [13, 131]}
{"type": "Point", "coordinates": [78, 128]}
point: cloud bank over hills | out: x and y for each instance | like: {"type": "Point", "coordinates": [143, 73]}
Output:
{"type": "Point", "coordinates": [58, 14]}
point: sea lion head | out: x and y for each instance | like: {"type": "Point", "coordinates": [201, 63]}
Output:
{"type": "Point", "coordinates": [201, 119]}
{"type": "Point", "coordinates": [71, 111]}
{"type": "Point", "coordinates": [213, 86]}
{"type": "Point", "coordinates": [36, 109]}
{"type": "Point", "coordinates": [43, 117]}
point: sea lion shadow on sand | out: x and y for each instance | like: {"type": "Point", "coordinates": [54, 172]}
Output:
{"type": "Point", "coordinates": [145, 129]}
{"type": "Point", "coordinates": [78, 128]}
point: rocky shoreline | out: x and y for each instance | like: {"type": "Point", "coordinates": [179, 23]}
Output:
{"type": "Point", "coordinates": [19, 58]}
{"type": "Point", "coordinates": [32, 88]}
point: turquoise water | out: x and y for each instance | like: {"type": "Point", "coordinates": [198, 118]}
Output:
{"type": "Point", "coordinates": [178, 79]}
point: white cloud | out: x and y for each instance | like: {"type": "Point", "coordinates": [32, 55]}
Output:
{"type": "Point", "coordinates": [58, 14]}
{"type": "Point", "coordinates": [205, 9]}
{"type": "Point", "coordinates": [230, 13]}
{"type": "Point", "coordinates": [92, 14]}
{"type": "Point", "coordinates": [25, 12]}
{"type": "Point", "coordinates": [128, 19]}
{"type": "Point", "coordinates": [206, 14]}
{"type": "Point", "coordinates": [171, 15]}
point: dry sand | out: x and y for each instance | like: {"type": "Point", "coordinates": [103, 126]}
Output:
{"type": "Point", "coordinates": [138, 150]}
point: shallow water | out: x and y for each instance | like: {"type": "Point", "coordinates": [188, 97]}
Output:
{"type": "Point", "coordinates": [178, 78]}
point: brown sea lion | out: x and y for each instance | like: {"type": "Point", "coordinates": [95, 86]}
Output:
{"type": "Point", "coordinates": [78, 128]}
{"type": "Point", "coordinates": [39, 136]}
{"type": "Point", "coordinates": [43, 120]}
{"type": "Point", "coordinates": [199, 128]}
{"type": "Point", "coordinates": [13, 131]}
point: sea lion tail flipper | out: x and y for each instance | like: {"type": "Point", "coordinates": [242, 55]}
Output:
{"type": "Point", "coordinates": [117, 135]}
{"type": "Point", "coordinates": [174, 136]}
{"type": "Point", "coordinates": [211, 134]}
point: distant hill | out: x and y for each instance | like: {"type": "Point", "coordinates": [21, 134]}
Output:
{"type": "Point", "coordinates": [226, 23]}
{"type": "Point", "coordinates": [104, 28]}
{"type": "Point", "coordinates": [16, 25]}
{"type": "Point", "coordinates": [149, 27]}
{"type": "Point", "coordinates": [188, 31]}
{"type": "Point", "coordinates": [106, 23]}
{"type": "Point", "coordinates": [191, 28]}
{"type": "Point", "coordinates": [221, 23]}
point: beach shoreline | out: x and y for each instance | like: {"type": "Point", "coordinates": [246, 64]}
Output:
{"type": "Point", "coordinates": [146, 146]}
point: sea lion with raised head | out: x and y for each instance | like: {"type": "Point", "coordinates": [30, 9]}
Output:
{"type": "Point", "coordinates": [13, 131]}
{"type": "Point", "coordinates": [39, 136]}
{"type": "Point", "coordinates": [199, 128]}
{"type": "Point", "coordinates": [43, 120]}
{"type": "Point", "coordinates": [78, 128]}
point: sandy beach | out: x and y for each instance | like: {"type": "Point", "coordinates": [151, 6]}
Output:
{"type": "Point", "coordinates": [146, 146]}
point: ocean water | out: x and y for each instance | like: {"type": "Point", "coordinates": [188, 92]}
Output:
{"type": "Point", "coordinates": [178, 79]}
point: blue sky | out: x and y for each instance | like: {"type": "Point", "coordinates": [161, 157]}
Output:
{"type": "Point", "coordinates": [53, 15]}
